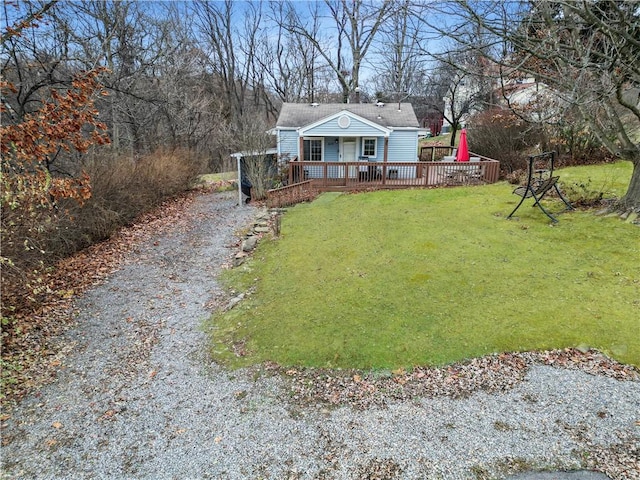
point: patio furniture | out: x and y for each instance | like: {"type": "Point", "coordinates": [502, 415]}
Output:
{"type": "Point", "coordinates": [450, 158]}
{"type": "Point", "coordinates": [474, 171]}
{"type": "Point", "coordinates": [454, 175]}
{"type": "Point", "coordinates": [366, 173]}
{"type": "Point", "coordinates": [539, 182]}
{"type": "Point", "coordinates": [461, 173]}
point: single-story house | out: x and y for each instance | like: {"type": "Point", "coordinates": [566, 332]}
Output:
{"type": "Point", "coordinates": [351, 132]}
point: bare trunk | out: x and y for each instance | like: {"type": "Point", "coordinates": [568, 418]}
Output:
{"type": "Point", "coordinates": [345, 94]}
{"type": "Point", "coordinates": [454, 131]}
{"type": "Point", "coordinates": [631, 200]}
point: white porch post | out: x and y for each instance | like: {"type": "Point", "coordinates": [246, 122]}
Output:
{"type": "Point", "coordinates": [238, 157]}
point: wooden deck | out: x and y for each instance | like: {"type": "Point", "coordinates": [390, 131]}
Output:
{"type": "Point", "coordinates": [307, 179]}
{"type": "Point", "coordinates": [328, 176]}
{"type": "Point", "coordinates": [291, 194]}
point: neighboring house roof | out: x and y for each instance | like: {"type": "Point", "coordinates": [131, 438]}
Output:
{"type": "Point", "coordinates": [526, 92]}
{"type": "Point", "coordinates": [295, 115]}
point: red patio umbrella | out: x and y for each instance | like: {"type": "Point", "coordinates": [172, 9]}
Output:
{"type": "Point", "coordinates": [463, 148]}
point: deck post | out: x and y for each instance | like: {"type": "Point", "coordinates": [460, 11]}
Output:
{"type": "Point", "coordinates": [386, 158]}
{"type": "Point", "coordinates": [386, 149]}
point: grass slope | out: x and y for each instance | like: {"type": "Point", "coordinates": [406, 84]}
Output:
{"type": "Point", "coordinates": [400, 278]}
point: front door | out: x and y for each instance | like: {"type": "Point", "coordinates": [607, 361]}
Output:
{"type": "Point", "coordinates": [349, 150]}
{"type": "Point", "coordinates": [349, 154]}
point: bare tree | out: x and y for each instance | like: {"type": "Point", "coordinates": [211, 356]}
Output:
{"type": "Point", "coordinates": [33, 59]}
{"type": "Point", "coordinates": [161, 91]}
{"type": "Point", "coordinates": [231, 45]}
{"type": "Point", "coordinates": [252, 141]}
{"type": "Point", "coordinates": [133, 42]}
{"type": "Point", "coordinates": [289, 62]}
{"type": "Point", "coordinates": [458, 88]}
{"type": "Point", "coordinates": [400, 61]}
{"type": "Point", "coordinates": [187, 104]}
{"type": "Point", "coordinates": [355, 24]}
{"type": "Point", "coordinates": [588, 55]}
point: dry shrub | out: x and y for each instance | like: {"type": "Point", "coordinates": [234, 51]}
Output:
{"type": "Point", "coordinates": [501, 135]}
{"type": "Point", "coordinates": [577, 145]}
{"type": "Point", "coordinates": [584, 194]}
{"type": "Point", "coordinates": [122, 189]}
{"type": "Point", "coordinates": [516, 177]}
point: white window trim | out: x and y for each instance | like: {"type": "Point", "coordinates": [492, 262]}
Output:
{"type": "Point", "coordinates": [375, 147]}
{"type": "Point", "coordinates": [321, 148]}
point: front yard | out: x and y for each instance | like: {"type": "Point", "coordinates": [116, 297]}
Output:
{"type": "Point", "coordinates": [427, 277]}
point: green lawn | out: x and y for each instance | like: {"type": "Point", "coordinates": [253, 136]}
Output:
{"type": "Point", "coordinates": [216, 177]}
{"type": "Point", "coordinates": [440, 139]}
{"type": "Point", "coordinates": [412, 277]}
{"type": "Point", "coordinates": [611, 179]}
{"type": "Point", "coordinates": [219, 182]}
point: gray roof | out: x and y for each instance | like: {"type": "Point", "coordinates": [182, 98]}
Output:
{"type": "Point", "coordinates": [295, 115]}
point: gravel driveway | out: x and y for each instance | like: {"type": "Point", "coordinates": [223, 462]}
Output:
{"type": "Point", "coordinates": [138, 397]}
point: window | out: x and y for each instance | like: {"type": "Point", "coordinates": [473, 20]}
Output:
{"type": "Point", "coordinates": [369, 147]}
{"type": "Point", "coordinates": [313, 149]}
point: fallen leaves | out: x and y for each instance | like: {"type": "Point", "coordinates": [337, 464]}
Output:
{"type": "Point", "coordinates": [47, 319]}
{"type": "Point", "coordinates": [379, 469]}
{"type": "Point", "coordinates": [590, 361]}
{"type": "Point", "coordinates": [493, 373]}
{"type": "Point", "coordinates": [108, 415]}
{"type": "Point", "coordinates": [619, 460]}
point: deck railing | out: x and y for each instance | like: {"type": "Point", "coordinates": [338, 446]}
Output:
{"type": "Point", "coordinates": [430, 153]}
{"type": "Point", "coordinates": [291, 194]}
{"type": "Point", "coordinates": [364, 175]}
